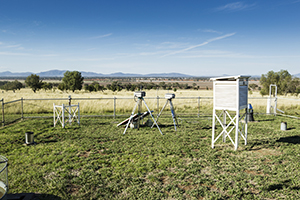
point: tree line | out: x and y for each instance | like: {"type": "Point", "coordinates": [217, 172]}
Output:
{"type": "Point", "coordinates": [118, 86]}
{"type": "Point", "coordinates": [285, 82]}
{"type": "Point", "coordinates": [72, 80]}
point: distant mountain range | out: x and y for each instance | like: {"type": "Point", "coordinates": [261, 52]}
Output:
{"type": "Point", "coordinates": [60, 73]}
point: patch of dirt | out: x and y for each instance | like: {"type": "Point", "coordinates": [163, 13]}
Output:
{"type": "Point", "coordinates": [51, 176]}
{"type": "Point", "coordinates": [186, 187]}
{"type": "Point", "coordinates": [266, 152]}
{"type": "Point", "coordinates": [165, 180]}
{"type": "Point", "coordinates": [75, 172]}
{"type": "Point", "coordinates": [73, 189]}
{"type": "Point", "coordinates": [253, 172]}
{"type": "Point", "coordinates": [85, 154]}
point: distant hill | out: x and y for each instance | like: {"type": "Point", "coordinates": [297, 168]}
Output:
{"type": "Point", "coordinates": [11, 74]}
{"type": "Point", "coordinates": [60, 73]}
{"type": "Point", "coordinates": [297, 75]}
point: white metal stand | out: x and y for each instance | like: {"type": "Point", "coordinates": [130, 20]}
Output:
{"type": "Point", "coordinates": [139, 104]}
{"type": "Point", "coordinates": [71, 111]}
{"type": "Point", "coordinates": [172, 112]}
{"type": "Point", "coordinates": [272, 101]}
{"type": "Point", "coordinates": [234, 123]}
{"type": "Point", "coordinates": [230, 97]}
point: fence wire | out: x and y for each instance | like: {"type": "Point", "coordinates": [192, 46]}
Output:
{"type": "Point", "coordinates": [123, 107]}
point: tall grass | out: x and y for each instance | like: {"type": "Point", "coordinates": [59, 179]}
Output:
{"type": "Point", "coordinates": [103, 105]}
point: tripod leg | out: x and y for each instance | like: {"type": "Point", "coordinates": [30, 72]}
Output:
{"type": "Point", "coordinates": [152, 117]}
{"type": "Point", "coordinates": [130, 117]}
{"type": "Point", "coordinates": [173, 114]}
{"type": "Point", "coordinates": [160, 113]}
{"type": "Point", "coordinates": [139, 113]}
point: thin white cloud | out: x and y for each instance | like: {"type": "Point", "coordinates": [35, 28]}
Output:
{"type": "Point", "coordinates": [5, 53]}
{"type": "Point", "coordinates": [199, 45]}
{"type": "Point", "coordinates": [211, 31]}
{"type": "Point", "coordinates": [101, 36]}
{"type": "Point", "coordinates": [171, 45]}
{"type": "Point", "coordinates": [13, 46]}
{"type": "Point", "coordinates": [14, 54]}
{"type": "Point", "coordinates": [48, 55]}
{"type": "Point", "coordinates": [228, 54]}
{"type": "Point", "coordinates": [237, 6]}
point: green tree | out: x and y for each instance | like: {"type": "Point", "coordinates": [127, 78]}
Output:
{"type": "Point", "coordinates": [162, 85]}
{"type": "Point", "coordinates": [89, 88]}
{"type": "Point", "coordinates": [14, 85]}
{"type": "Point", "coordinates": [61, 86]}
{"type": "Point", "coordinates": [47, 86]}
{"type": "Point", "coordinates": [282, 79]}
{"type": "Point", "coordinates": [33, 81]}
{"type": "Point", "coordinates": [115, 86]}
{"type": "Point", "coordinates": [72, 80]}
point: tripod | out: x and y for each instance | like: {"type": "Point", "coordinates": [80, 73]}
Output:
{"type": "Point", "coordinates": [169, 98]}
{"type": "Point", "coordinates": [139, 104]}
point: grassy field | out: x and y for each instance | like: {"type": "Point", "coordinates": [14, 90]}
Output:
{"type": "Point", "coordinates": [96, 161]}
{"type": "Point", "coordinates": [104, 105]}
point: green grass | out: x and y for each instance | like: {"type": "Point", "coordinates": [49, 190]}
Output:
{"type": "Point", "coordinates": [96, 161]}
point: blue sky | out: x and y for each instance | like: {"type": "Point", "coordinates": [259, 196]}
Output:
{"type": "Point", "coordinates": [195, 37]}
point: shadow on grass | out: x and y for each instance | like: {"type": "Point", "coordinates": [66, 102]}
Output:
{"type": "Point", "coordinates": [265, 120]}
{"type": "Point", "coordinates": [291, 139]}
{"type": "Point", "coordinates": [260, 144]}
{"type": "Point", "coordinates": [164, 125]}
{"type": "Point", "coordinates": [280, 186]}
{"type": "Point", "coordinates": [49, 141]}
{"type": "Point", "coordinates": [32, 196]}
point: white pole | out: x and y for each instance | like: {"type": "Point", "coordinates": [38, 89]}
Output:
{"type": "Point", "coordinates": [214, 116]}
{"type": "Point", "coordinates": [78, 115]}
{"type": "Point", "coordinates": [63, 116]}
{"type": "Point", "coordinates": [237, 114]}
{"type": "Point", "coordinates": [213, 128]}
{"type": "Point", "coordinates": [54, 114]}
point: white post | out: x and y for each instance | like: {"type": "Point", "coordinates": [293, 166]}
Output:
{"type": "Point", "coordinates": [224, 124]}
{"type": "Point", "coordinates": [237, 114]}
{"type": "Point", "coordinates": [54, 114]}
{"type": "Point", "coordinates": [213, 128]}
{"type": "Point", "coordinates": [237, 131]}
{"type": "Point", "coordinates": [63, 116]}
{"type": "Point", "coordinates": [214, 116]}
{"type": "Point", "coordinates": [78, 115]}
{"type": "Point", "coordinates": [268, 105]}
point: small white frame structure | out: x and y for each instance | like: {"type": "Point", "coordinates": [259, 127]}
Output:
{"type": "Point", "coordinates": [230, 94]}
{"type": "Point", "coordinates": [169, 97]}
{"type": "Point", "coordinates": [71, 111]}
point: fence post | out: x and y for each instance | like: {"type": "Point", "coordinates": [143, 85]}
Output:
{"type": "Point", "coordinates": [114, 107]}
{"type": "Point", "coordinates": [198, 106]}
{"type": "Point", "coordinates": [22, 116]}
{"type": "Point", "coordinates": [3, 124]}
{"type": "Point", "coordinates": [157, 105]}
{"type": "Point", "coordinates": [70, 117]}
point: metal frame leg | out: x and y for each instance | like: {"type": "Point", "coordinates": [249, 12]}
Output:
{"type": "Point", "coordinates": [131, 116]}
{"type": "Point", "coordinates": [152, 117]}
{"type": "Point", "coordinates": [173, 114]}
{"type": "Point", "coordinates": [160, 113]}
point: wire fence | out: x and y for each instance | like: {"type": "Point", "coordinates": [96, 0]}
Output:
{"type": "Point", "coordinates": [115, 107]}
